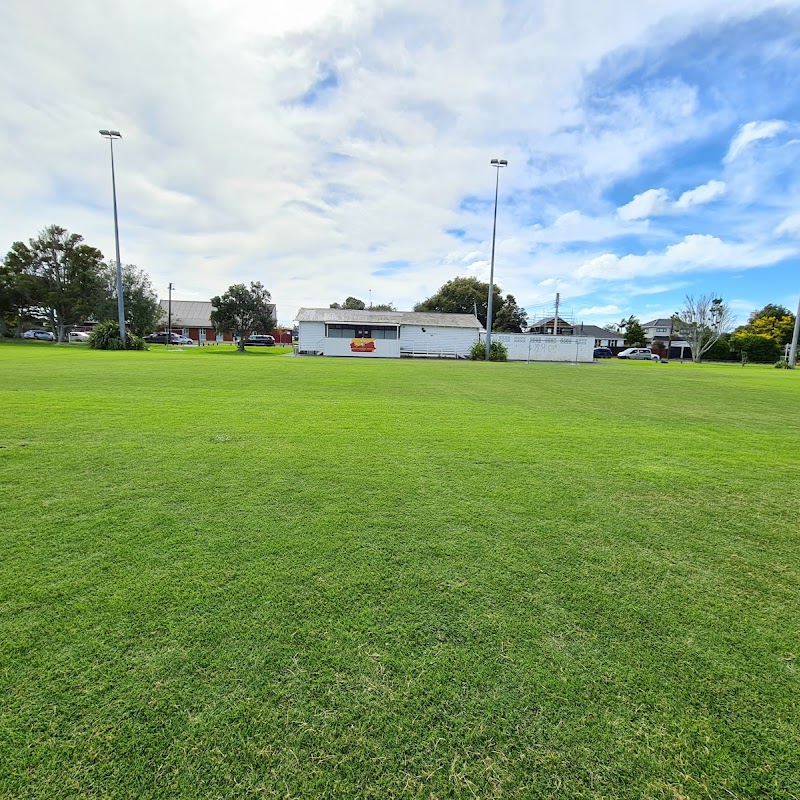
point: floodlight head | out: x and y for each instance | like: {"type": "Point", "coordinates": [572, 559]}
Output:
{"type": "Point", "coordinates": [110, 134]}
{"type": "Point", "coordinates": [104, 132]}
{"type": "Point", "coordinates": [499, 162]}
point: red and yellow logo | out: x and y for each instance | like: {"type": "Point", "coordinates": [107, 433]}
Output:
{"type": "Point", "coordinates": [362, 345]}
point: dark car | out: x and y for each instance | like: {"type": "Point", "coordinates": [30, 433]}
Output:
{"type": "Point", "coordinates": [602, 352]}
{"type": "Point", "coordinates": [260, 340]}
{"type": "Point", "coordinates": [161, 338]}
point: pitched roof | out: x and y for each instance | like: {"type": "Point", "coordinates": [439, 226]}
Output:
{"type": "Point", "coordinates": [598, 333]}
{"type": "Point", "coordinates": [193, 313]}
{"type": "Point", "coordinates": [340, 315]}
{"type": "Point", "coordinates": [657, 323]}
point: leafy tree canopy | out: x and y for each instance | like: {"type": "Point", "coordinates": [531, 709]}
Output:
{"type": "Point", "coordinates": [774, 321]}
{"type": "Point", "coordinates": [63, 276]}
{"type": "Point", "coordinates": [465, 295]}
{"type": "Point", "coordinates": [244, 311]}
{"type": "Point", "coordinates": [352, 303]}
{"type": "Point", "coordinates": [635, 335]}
{"type": "Point", "coordinates": [142, 310]}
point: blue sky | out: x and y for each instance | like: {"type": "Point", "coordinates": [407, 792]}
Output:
{"type": "Point", "coordinates": [342, 148]}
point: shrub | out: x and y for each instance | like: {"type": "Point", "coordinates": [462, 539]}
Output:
{"type": "Point", "coordinates": [783, 364]}
{"type": "Point", "coordinates": [497, 352]}
{"type": "Point", "coordinates": [106, 337]}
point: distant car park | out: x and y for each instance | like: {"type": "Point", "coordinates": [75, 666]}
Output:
{"type": "Point", "coordinates": [603, 352]}
{"type": "Point", "coordinates": [260, 340]}
{"type": "Point", "coordinates": [41, 335]}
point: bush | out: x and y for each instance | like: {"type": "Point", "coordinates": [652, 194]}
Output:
{"type": "Point", "coordinates": [783, 364]}
{"type": "Point", "coordinates": [106, 337]}
{"type": "Point", "coordinates": [497, 352]}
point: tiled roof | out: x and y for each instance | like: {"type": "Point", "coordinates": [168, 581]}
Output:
{"type": "Point", "coordinates": [341, 315]}
{"type": "Point", "coordinates": [657, 323]}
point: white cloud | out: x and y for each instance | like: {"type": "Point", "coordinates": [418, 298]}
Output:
{"type": "Point", "coordinates": [701, 195]}
{"type": "Point", "coordinates": [790, 226]}
{"type": "Point", "coordinates": [599, 311]}
{"type": "Point", "coordinates": [238, 165]}
{"type": "Point", "coordinates": [695, 253]}
{"type": "Point", "coordinates": [652, 203]}
{"type": "Point", "coordinates": [753, 132]}
{"type": "Point", "coordinates": [657, 202]}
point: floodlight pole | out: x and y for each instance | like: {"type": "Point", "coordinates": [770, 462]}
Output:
{"type": "Point", "coordinates": [793, 351]}
{"type": "Point", "coordinates": [111, 135]}
{"type": "Point", "coordinates": [497, 163]}
{"type": "Point", "coordinates": [169, 318]}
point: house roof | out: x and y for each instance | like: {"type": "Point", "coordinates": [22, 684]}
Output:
{"type": "Point", "coordinates": [657, 323]}
{"type": "Point", "coordinates": [598, 333]}
{"type": "Point", "coordinates": [340, 315]}
{"type": "Point", "coordinates": [193, 313]}
{"type": "Point", "coordinates": [562, 323]}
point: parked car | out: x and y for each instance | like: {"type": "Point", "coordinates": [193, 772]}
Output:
{"type": "Point", "coordinates": [603, 352]}
{"type": "Point", "coordinates": [261, 340]}
{"type": "Point", "coordinates": [183, 340]}
{"type": "Point", "coordinates": [78, 336]}
{"type": "Point", "coordinates": [44, 336]}
{"type": "Point", "coordinates": [161, 338]}
{"type": "Point", "coordinates": [639, 354]}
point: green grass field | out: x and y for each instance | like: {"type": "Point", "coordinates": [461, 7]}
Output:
{"type": "Point", "coordinates": [266, 576]}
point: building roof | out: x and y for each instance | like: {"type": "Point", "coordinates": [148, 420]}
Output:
{"type": "Point", "coordinates": [562, 323]}
{"type": "Point", "coordinates": [657, 323]}
{"type": "Point", "coordinates": [433, 318]}
{"type": "Point", "coordinates": [598, 333]}
{"type": "Point", "coordinates": [193, 313]}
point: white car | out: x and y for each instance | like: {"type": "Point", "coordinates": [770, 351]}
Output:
{"type": "Point", "coordinates": [78, 336]}
{"type": "Point", "coordinates": [45, 336]}
{"type": "Point", "coordinates": [639, 354]}
{"type": "Point", "coordinates": [183, 340]}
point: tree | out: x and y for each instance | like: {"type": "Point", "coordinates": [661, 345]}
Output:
{"type": "Point", "coordinates": [756, 346]}
{"type": "Point", "coordinates": [465, 295]}
{"type": "Point", "coordinates": [243, 311]}
{"type": "Point", "coordinates": [774, 321]}
{"type": "Point", "coordinates": [15, 294]}
{"type": "Point", "coordinates": [352, 303]}
{"type": "Point", "coordinates": [382, 307]}
{"type": "Point", "coordinates": [701, 322]}
{"type": "Point", "coordinates": [635, 335]}
{"type": "Point", "coordinates": [510, 318]}
{"type": "Point", "coordinates": [63, 276]}
{"type": "Point", "coordinates": [142, 310]}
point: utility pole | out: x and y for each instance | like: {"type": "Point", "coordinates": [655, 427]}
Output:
{"type": "Point", "coordinates": [793, 351]}
{"type": "Point", "coordinates": [111, 135]}
{"type": "Point", "coordinates": [555, 319]}
{"type": "Point", "coordinates": [169, 317]}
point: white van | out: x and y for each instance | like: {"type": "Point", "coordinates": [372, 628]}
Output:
{"type": "Point", "coordinates": [640, 353]}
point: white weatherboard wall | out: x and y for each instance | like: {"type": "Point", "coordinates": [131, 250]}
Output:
{"type": "Point", "coordinates": [436, 340]}
{"type": "Point", "coordinates": [311, 337]}
{"type": "Point", "coordinates": [384, 348]}
{"type": "Point", "coordinates": [522, 347]}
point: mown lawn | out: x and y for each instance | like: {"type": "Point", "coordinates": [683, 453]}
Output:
{"type": "Point", "coordinates": [267, 576]}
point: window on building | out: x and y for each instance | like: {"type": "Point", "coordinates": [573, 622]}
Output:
{"type": "Point", "coordinates": [361, 331]}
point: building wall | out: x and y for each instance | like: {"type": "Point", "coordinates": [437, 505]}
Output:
{"type": "Point", "coordinates": [383, 348]}
{"type": "Point", "coordinates": [526, 347]}
{"type": "Point", "coordinates": [311, 337]}
{"type": "Point", "coordinates": [437, 340]}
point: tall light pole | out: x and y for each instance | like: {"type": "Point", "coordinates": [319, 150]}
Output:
{"type": "Point", "coordinates": [497, 163]}
{"type": "Point", "coordinates": [795, 335]}
{"type": "Point", "coordinates": [111, 135]}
